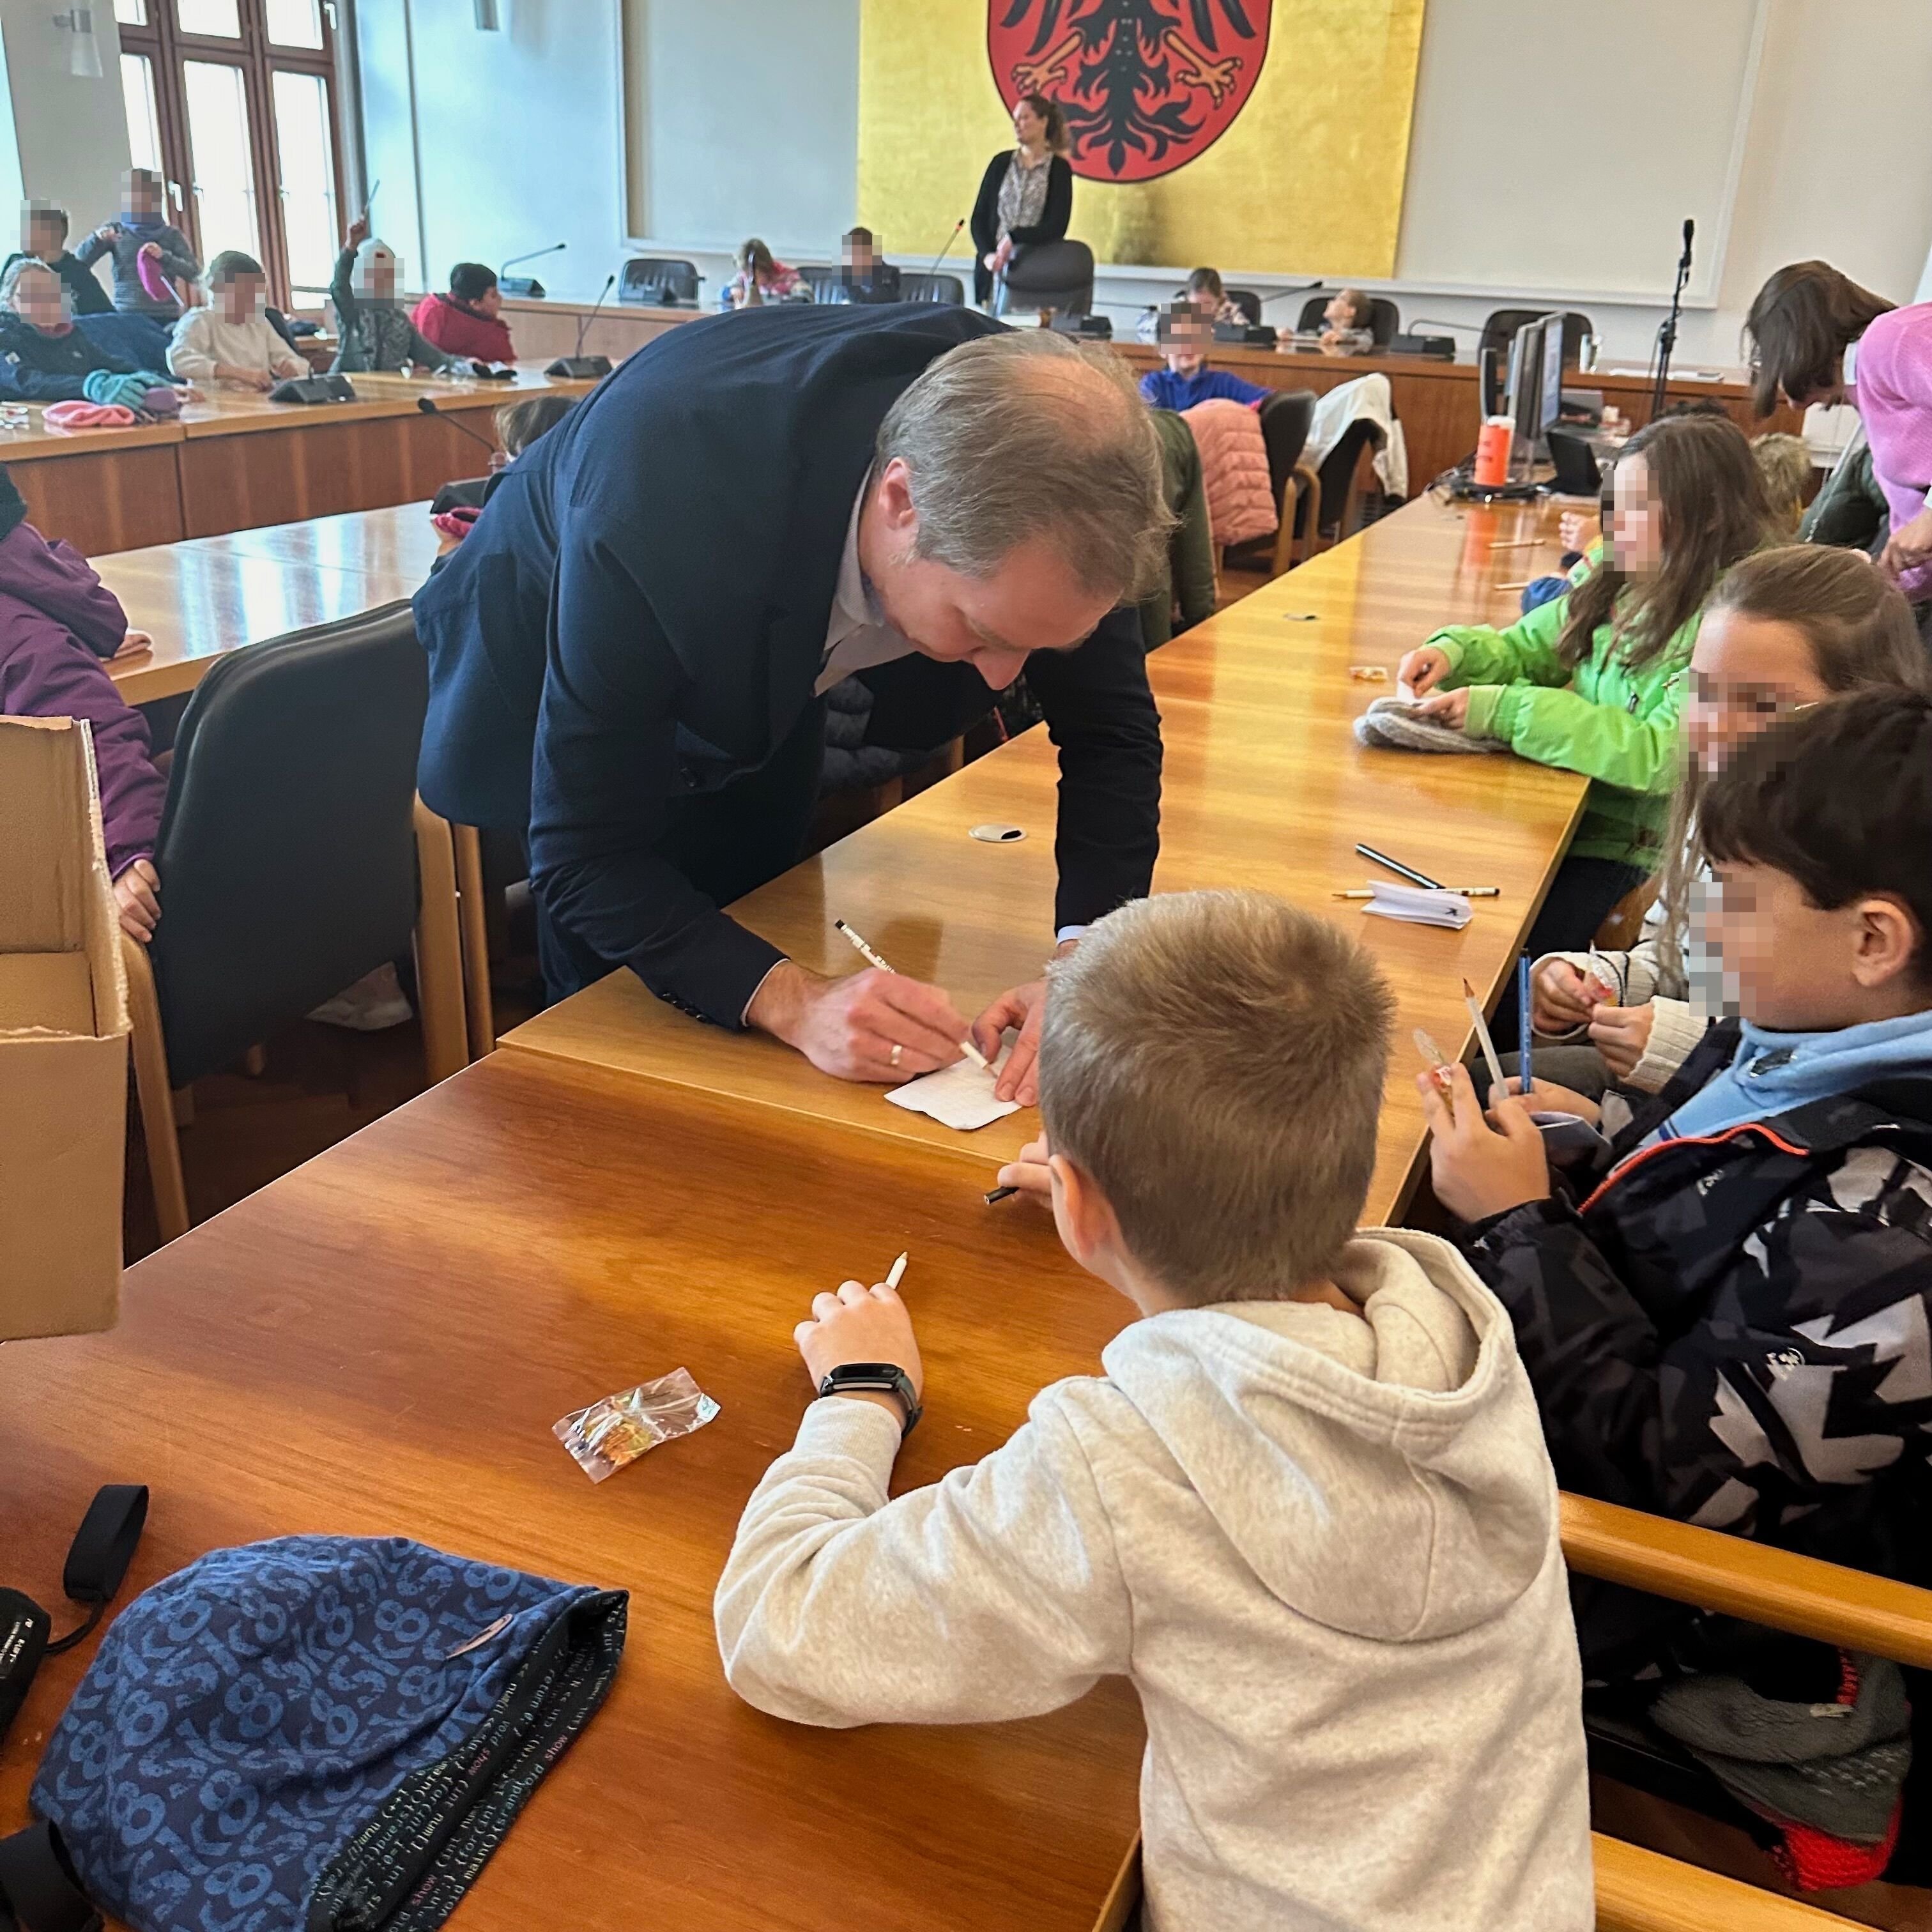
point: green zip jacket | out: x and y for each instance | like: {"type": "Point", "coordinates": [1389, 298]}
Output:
{"type": "Point", "coordinates": [1618, 727]}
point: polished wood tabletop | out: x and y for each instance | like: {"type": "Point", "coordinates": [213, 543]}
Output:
{"type": "Point", "coordinates": [206, 596]}
{"type": "Point", "coordinates": [1265, 786]}
{"type": "Point", "coordinates": [378, 1345]}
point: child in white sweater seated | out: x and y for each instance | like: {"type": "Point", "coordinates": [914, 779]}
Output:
{"type": "Point", "coordinates": [229, 339]}
{"type": "Point", "coordinates": [1306, 1509]}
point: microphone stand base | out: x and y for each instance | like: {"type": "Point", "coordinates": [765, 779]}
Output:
{"type": "Point", "coordinates": [580, 368]}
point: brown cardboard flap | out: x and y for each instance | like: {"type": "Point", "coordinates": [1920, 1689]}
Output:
{"type": "Point", "coordinates": [47, 992]}
{"type": "Point", "coordinates": [44, 861]}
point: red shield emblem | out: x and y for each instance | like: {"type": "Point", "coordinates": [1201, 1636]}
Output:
{"type": "Point", "coordinates": [1145, 85]}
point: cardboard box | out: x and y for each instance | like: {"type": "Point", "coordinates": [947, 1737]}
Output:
{"type": "Point", "coordinates": [63, 1031]}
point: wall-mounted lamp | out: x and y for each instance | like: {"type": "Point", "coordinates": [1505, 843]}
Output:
{"type": "Point", "coordinates": [489, 20]}
{"type": "Point", "coordinates": [81, 56]}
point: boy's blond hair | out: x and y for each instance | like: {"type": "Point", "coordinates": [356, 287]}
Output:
{"type": "Point", "coordinates": [1214, 1061]}
{"type": "Point", "coordinates": [1784, 462]}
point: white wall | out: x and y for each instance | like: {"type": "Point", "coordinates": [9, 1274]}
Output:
{"type": "Point", "coordinates": [751, 122]}
{"type": "Point", "coordinates": [62, 140]}
{"type": "Point", "coordinates": [486, 145]}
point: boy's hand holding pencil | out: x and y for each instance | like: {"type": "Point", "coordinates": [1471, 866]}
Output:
{"type": "Point", "coordinates": [1480, 1166]}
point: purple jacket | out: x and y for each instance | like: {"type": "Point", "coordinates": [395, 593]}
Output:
{"type": "Point", "coordinates": [58, 620]}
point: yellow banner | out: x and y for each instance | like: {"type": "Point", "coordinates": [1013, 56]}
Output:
{"type": "Point", "coordinates": [1307, 181]}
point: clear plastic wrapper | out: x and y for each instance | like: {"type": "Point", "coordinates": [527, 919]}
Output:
{"type": "Point", "coordinates": [618, 1429]}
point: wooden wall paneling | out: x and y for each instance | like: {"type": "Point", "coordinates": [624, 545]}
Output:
{"type": "Point", "coordinates": [112, 499]}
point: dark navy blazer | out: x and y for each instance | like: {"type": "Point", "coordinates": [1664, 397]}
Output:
{"type": "Point", "coordinates": [640, 611]}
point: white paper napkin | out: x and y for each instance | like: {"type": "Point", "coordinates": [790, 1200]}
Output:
{"type": "Point", "coordinates": [1418, 906]}
{"type": "Point", "coordinates": [960, 1096]}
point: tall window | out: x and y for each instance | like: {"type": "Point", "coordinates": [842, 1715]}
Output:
{"type": "Point", "coordinates": [233, 102]}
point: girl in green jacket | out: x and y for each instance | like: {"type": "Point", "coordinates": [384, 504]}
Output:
{"type": "Point", "coordinates": [1595, 681]}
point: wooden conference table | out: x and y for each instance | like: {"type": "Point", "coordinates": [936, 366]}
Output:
{"type": "Point", "coordinates": [235, 461]}
{"type": "Point", "coordinates": [204, 597]}
{"type": "Point", "coordinates": [378, 1343]}
{"type": "Point", "coordinates": [1265, 786]}
{"type": "Point", "coordinates": [1439, 403]}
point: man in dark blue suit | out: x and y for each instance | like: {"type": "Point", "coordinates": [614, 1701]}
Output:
{"type": "Point", "coordinates": [629, 651]}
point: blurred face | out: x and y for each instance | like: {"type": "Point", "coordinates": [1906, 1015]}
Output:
{"type": "Point", "coordinates": [378, 276]}
{"type": "Point", "coordinates": [142, 199]}
{"type": "Point", "coordinates": [1204, 302]}
{"type": "Point", "coordinates": [1745, 673]}
{"type": "Point", "coordinates": [1792, 966]}
{"type": "Point", "coordinates": [490, 302]}
{"type": "Point", "coordinates": [41, 297]}
{"type": "Point", "coordinates": [241, 297]}
{"type": "Point", "coordinates": [1029, 129]}
{"type": "Point", "coordinates": [1032, 602]}
{"type": "Point", "coordinates": [1186, 348]}
{"type": "Point", "coordinates": [1636, 523]}
{"type": "Point", "coordinates": [1340, 313]}
{"type": "Point", "coordinates": [44, 235]}
{"type": "Point", "coordinates": [858, 257]}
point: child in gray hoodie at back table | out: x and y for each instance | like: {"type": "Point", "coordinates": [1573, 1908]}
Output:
{"type": "Point", "coordinates": [1306, 1509]}
{"type": "Point", "coordinates": [142, 225]}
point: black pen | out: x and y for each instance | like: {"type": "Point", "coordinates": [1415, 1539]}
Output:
{"type": "Point", "coordinates": [999, 1194]}
{"type": "Point", "coordinates": [1396, 866]}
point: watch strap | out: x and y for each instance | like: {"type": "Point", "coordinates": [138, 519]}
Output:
{"type": "Point", "coordinates": [875, 1378]}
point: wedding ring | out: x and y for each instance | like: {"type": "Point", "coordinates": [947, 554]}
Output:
{"type": "Point", "coordinates": [897, 1050]}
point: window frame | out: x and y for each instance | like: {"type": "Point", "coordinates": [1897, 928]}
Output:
{"type": "Point", "coordinates": [164, 44]}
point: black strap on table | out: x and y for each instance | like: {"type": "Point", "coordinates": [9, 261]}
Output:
{"type": "Point", "coordinates": [38, 1890]}
{"type": "Point", "coordinates": [103, 1548]}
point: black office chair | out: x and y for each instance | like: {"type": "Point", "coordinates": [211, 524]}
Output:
{"type": "Point", "coordinates": [1385, 318]}
{"type": "Point", "coordinates": [294, 857]}
{"type": "Point", "coordinates": [655, 281]}
{"type": "Point", "coordinates": [1286, 416]}
{"type": "Point", "coordinates": [931, 288]}
{"type": "Point", "coordinates": [826, 279]}
{"type": "Point", "coordinates": [1499, 331]}
{"type": "Point", "coordinates": [1050, 276]}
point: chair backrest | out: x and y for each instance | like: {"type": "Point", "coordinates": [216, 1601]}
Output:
{"type": "Point", "coordinates": [650, 278]}
{"type": "Point", "coordinates": [286, 850]}
{"type": "Point", "coordinates": [931, 288]}
{"type": "Point", "coordinates": [1385, 318]}
{"type": "Point", "coordinates": [138, 339]}
{"type": "Point", "coordinates": [1500, 327]}
{"type": "Point", "coordinates": [1286, 417]}
{"type": "Point", "coordinates": [1248, 302]}
{"type": "Point", "coordinates": [826, 279]}
{"type": "Point", "coordinates": [1058, 275]}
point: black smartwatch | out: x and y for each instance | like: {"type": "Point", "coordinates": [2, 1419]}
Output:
{"type": "Point", "coordinates": [884, 1378]}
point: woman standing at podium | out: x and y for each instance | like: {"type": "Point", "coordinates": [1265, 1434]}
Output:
{"type": "Point", "coordinates": [1025, 196]}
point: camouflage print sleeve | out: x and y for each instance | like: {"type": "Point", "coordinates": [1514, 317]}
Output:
{"type": "Point", "coordinates": [1800, 1379]}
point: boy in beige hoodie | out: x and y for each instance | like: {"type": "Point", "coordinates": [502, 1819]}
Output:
{"type": "Point", "coordinates": [1307, 1508]}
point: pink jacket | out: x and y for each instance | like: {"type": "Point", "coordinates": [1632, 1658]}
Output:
{"type": "Point", "coordinates": [1234, 467]}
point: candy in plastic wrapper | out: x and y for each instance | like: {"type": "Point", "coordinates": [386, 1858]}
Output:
{"type": "Point", "coordinates": [618, 1429]}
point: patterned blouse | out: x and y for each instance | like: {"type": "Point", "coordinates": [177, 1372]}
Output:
{"type": "Point", "coordinates": [1023, 193]}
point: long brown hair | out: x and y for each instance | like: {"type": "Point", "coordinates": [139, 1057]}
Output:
{"type": "Point", "coordinates": [1710, 500]}
{"type": "Point", "coordinates": [1798, 328]}
{"type": "Point", "coordinates": [1049, 111]}
{"type": "Point", "coordinates": [1860, 634]}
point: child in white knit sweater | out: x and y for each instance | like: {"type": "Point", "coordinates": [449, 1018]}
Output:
{"type": "Point", "coordinates": [229, 340]}
{"type": "Point", "coordinates": [1306, 1508]}
{"type": "Point", "coordinates": [1785, 629]}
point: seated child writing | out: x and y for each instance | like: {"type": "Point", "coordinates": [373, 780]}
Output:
{"type": "Point", "coordinates": [57, 621]}
{"type": "Point", "coordinates": [1725, 1318]}
{"type": "Point", "coordinates": [229, 339]}
{"type": "Point", "coordinates": [1304, 1507]}
{"type": "Point", "coordinates": [1785, 629]}
{"type": "Point", "coordinates": [1594, 681]}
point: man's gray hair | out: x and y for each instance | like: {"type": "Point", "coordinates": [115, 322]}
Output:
{"type": "Point", "coordinates": [1026, 435]}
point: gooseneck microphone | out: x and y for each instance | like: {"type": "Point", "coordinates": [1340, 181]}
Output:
{"type": "Point", "coordinates": [1666, 331]}
{"type": "Point", "coordinates": [604, 296]}
{"type": "Point", "coordinates": [526, 285]}
{"type": "Point", "coordinates": [427, 405]}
